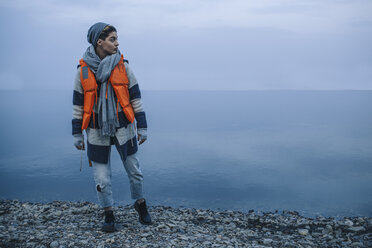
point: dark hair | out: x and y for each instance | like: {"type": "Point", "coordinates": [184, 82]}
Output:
{"type": "Point", "coordinates": [106, 32]}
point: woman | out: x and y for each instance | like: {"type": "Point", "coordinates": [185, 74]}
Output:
{"type": "Point", "coordinates": [106, 102]}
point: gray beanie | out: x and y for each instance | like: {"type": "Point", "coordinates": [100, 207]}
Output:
{"type": "Point", "coordinates": [94, 32]}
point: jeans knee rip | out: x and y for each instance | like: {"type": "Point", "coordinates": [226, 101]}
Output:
{"type": "Point", "coordinates": [99, 187]}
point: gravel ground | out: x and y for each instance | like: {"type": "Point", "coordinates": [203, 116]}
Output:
{"type": "Point", "coordinates": [77, 224]}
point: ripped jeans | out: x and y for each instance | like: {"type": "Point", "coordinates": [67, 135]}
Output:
{"type": "Point", "coordinates": [102, 177]}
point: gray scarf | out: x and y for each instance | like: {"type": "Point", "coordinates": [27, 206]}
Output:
{"type": "Point", "coordinates": [107, 120]}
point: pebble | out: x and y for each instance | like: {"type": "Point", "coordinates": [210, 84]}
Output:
{"type": "Point", "coordinates": [267, 241]}
{"type": "Point", "coordinates": [146, 234]}
{"type": "Point", "coordinates": [356, 244]}
{"type": "Point", "coordinates": [78, 224]}
{"type": "Point", "coordinates": [357, 229]}
{"type": "Point", "coordinates": [303, 232]}
{"type": "Point", "coordinates": [54, 244]}
{"type": "Point", "coordinates": [348, 222]}
{"type": "Point", "coordinates": [329, 228]}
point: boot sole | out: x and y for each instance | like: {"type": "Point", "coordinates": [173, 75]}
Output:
{"type": "Point", "coordinates": [144, 223]}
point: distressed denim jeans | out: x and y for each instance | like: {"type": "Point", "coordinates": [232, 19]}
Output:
{"type": "Point", "coordinates": [102, 177]}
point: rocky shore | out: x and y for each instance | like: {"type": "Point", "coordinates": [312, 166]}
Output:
{"type": "Point", "coordinates": [71, 224]}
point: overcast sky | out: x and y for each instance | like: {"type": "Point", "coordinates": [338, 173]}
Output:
{"type": "Point", "coordinates": [194, 44]}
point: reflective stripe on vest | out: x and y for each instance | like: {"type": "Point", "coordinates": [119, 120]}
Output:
{"type": "Point", "coordinates": [120, 84]}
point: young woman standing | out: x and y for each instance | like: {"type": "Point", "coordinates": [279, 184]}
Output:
{"type": "Point", "coordinates": [107, 103]}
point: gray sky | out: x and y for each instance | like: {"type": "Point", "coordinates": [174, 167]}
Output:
{"type": "Point", "coordinates": [194, 45]}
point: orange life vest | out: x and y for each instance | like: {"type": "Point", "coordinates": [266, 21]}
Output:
{"type": "Point", "coordinates": [120, 84]}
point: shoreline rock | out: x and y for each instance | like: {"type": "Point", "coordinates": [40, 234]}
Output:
{"type": "Point", "coordinates": [77, 224]}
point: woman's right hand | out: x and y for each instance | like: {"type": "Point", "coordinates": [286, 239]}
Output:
{"type": "Point", "coordinates": [79, 141]}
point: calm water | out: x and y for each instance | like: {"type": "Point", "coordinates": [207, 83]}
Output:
{"type": "Point", "coordinates": [309, 151]}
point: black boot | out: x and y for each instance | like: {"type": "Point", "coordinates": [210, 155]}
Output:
{"type": "Point", "coordinates": [109, 224]}
{"type": "Point", "coordinates": [141, 208]}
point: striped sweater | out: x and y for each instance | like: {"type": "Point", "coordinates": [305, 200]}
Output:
{"type": "Point", "coordinates": [125, 137]}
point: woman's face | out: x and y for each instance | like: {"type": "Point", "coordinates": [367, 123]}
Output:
{"type": "Point", "coordinates": [110, 44]}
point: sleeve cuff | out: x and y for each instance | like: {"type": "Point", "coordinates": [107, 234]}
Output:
{"type": "Point", "coordinates": [141, 120]}
{"type": "Point", "coordinates": [76, 126]}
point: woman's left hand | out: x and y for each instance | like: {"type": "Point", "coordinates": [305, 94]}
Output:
{"type": "Point", "coordinates": [142, 135]}
{"type": "Point", "coordinates": [141, 139]}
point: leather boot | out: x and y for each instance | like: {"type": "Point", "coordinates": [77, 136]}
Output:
{"type": "Point", "coordinates": [109, 224]}
{"type": "Point", "coordinates": [141, 208]}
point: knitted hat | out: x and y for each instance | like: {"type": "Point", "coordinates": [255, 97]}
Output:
{"type": "Point", "coordinates": [95, 31]}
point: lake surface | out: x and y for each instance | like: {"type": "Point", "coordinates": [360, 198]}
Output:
{"type": "Point", "coordinates": [309, 151]}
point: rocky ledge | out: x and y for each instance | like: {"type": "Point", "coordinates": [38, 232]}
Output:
{"type": "Point", "coordinates": [71, 224]}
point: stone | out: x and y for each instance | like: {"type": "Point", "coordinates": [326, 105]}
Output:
{"type": "Point", "coordinates": [54, 244]}
{"type": "Point", "coordinates": [357, 229]}
{"type": "Point", "coordinates": [161, 226]}
{"type": "Point", "coordinates": [71, 236]}
{"type": "Point", "coordinates": [183, 237]}
{"type": "Point", "coordinates": [84, 242]}
{"type": "Point", "coordinates": [146, 234]}
{"type": "Point", "coordinates": [303, 232]}
{"type": "Point", "coordinates": [348, 222]}
{"type": "Point", "coordinates": [356, 244]}
{"type": "Point", "coordinates": [267, 241]}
